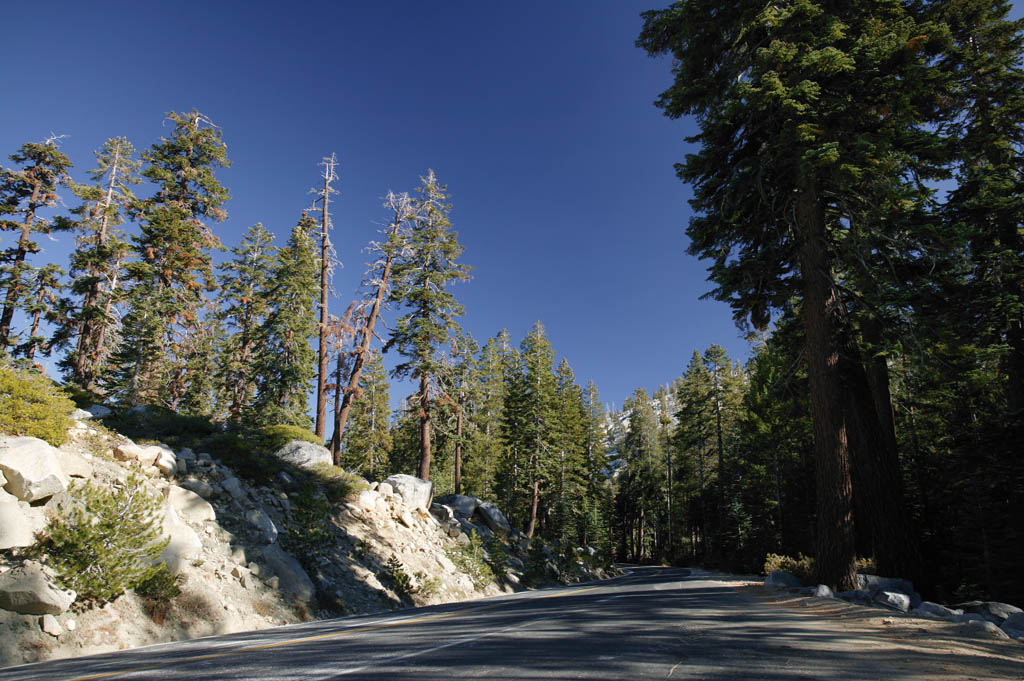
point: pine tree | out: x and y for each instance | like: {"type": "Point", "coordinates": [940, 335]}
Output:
{"type": "Point", "coordinates": [167, 300]}
{"type": "Point", "coordinates": [421, 280]}
{"type": "Point", "coordinates": [538, 434]}
{"type": "Point", "coordinates": [285, 363]}
{"type": "Point", "coordinates": [97, 265]}
{"type": "Point", "coordinates": [459, 392]}
{"type": "Point", "coordinates": [804, 110]}
{"type": "Point", "coordinates": [367, 442]}
{"type": "Point", "coordinates": [43, 302]}
{"type": "Point", "coordinates": [23, 193]}
{"type": "Point", "coordinates": [379, 280]}
{"type": "Point", "coordinates": [326, 269]}
{"type": "Point", "coordinates": [244, 285]}
{"type": "Point", "coordinates": [485, 448]}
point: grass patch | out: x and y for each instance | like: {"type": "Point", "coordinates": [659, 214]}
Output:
{"type": "Point", "coordinates": [337, 483]}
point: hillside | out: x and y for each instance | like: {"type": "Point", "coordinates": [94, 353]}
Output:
{"type": "Point", "coordinates": [309, 543]}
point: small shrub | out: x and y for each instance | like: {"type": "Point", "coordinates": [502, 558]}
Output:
{"type": "Point", "coordinates": [472, 560]}
{"type": "Point", "coordinates": [309, 533]}
{"type": "Point", "coordinates": [536, 563]}
{"type": "Point", "coordinates": [80, 396]}
{"type": "Point", "coordinates": [497, 556]}
{"type": "Point", "coordinates": [161, 586]}
{"type": "Point", "coordinates": [338, 484]}
{"type": "Point", "coordinates": [428, 586]}
{"type": "Point", "coordinates": [801, 567]}
{"type": "Point", "coordinates": [30, 404]}
{"type": "Point", "coordinates": [107, 543]}
{"type": "Point", "coordinates": [275, 437]}
{"type": "Point", "coordinates": [401, 584]}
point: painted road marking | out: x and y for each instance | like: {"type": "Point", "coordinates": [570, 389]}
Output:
{"type": "Point", "coordinates": [319, 637]}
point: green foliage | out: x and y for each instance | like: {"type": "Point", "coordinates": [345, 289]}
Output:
{"type": "Point", "coordinates": [278, 435]}
{"type": "Point", "coordinates": [161, 586]}
{"type": "Point", "coordinates": [536, 564]}
{"type": "Point", "coordinates": [473, 561]}
{"type": "Point", "coordinates": [497, 556]}
{"type": "Point", "coordinates": [400, 581]}
{"type": "Point", "coordinates": [108, 542]}
{"type": "Point", "coordinates": [337, 483]}
{"type": "Point", "coordinates": [309, 534]}
{"type": "Point", "coordinates": [80, 396]}
{"type": "Point", "coordinates": [429, 587]}
{"type": "Point", "coordinates": [30, 404]}
{"type": "Point", "coordinates": [801, 567]}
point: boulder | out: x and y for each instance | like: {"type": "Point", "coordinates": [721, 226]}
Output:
{"type": "Point", "coordinates": [189, 505]}
{"type": "Point", "coordinates": [292, 579]}
{"type": "Point", "coordinates": [965, 617]}
{"type": "Point", "coordinates": [494, 518]}
{"type": "Point", "coordinates": [232, 486]}
{"type": "Point", "coordinates": [1015, 621]}
{"type": "Point", "coordinates": [936, 611]}
{"type": "Point", "coordinates": [263, 524]}
{"type": "Point", "coordinates": [415, 493]}
{"type": "Point", "coordinates": [819, 591]}
{"type": "Point", "coordinates": [876, 583]}
{"type": "Point", "coordinates": [285, 481]}
{"type": "Point", "coordinates": [367, 500]}
{"type": "Point", "coordinates": [18, 525]}
{"type": "Point", "coordinates": [166, 462]}
{"type": "Point", "coordinates": [304, 454]}
{"type": "Point", "coordinates": [30, 589]}
{"type": "Point", "coordinates": [31, 468]}
{"type": "Point", "coordinates": [462, 504]}
{"type": "Point", "coordinates": [981, 629]}
{"type": "Point", "coordinates": [781, 580]}
{"type": "Point", "coordinates": [993, 611]}
{"type": "Point", "coordinates": [186, 454]}
{"type": "Point", "coordinates": [402, 515]}
{"type": "Point", "coordinates": [442, 513]}
{"type": "Point", "coordinates": [81, 415]}
{"type": "Point", "coordinates": [98, 411]}
{"type": "Point", "coordinates": [894, 600]}
{"type": "Point", "coordinates": [385, 490]}
{"type": "Point", "coordinates": [184, 545]}
{"type": "Point", "coordinates": [127, 451]}
{"type": "Point", "coordinates": [197, 486]}
{"type": "Point", "coordinates": [50, 625]}
{"type": "Point", "coordinates": [73, 465]}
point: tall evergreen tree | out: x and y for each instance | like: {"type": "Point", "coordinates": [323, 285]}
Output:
{"type": "Point", "coordinates": [43, 302]}
{"type": "Point", "coordinates": [24, 192]}
{"type": "Point", "coordinates": [366, 445]}
{"type": "Point", "coordinates": [245, 283]}
{"type": "Point", "coordinates": [285, 363]}
{"type": "Point", "coordinates": [801, 107]}
{"type": "Point", "coordinates": [97, 265]}
{"type": "Point", "coordinates": [421, 281]}
{"type": "Point", "coordinates": [167, 301]}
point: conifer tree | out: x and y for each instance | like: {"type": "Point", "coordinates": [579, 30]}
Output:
{"type": "Point", "coordinates": [244, 285]}
{"type": "Point", "coordinates": [596, 512]}
{"type": "Point", "coordinates": [326, 268]}
{"type": "Point", "coordinates": [174, 266]}
{"type": "Point", "coordinates": [485, 448]}
{"type": "Point", "coordinates": [285, 363]}
{"type": "Point", "coordinates": [537, 434]}
{"type": "Point", "coordinates": [421, 281]}
{"type": "Point", "coordinates": [24, 192]}
{"type": "Point", "coordinates": [570, 492]}
{"type": "Point", "coordinates": [97, 265]}
{"type": "Point", "coordinates": [43, 302]}
{"type": "Point", "coordinates": [367, 443]}
{"type": "Point", "coordinates": [379, 280]}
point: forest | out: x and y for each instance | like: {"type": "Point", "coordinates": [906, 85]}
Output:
{"type": "Point", "coordinates": [857, 192]}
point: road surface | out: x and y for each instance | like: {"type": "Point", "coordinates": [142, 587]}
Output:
{"type": "Point", "coordinates": [652, 623]}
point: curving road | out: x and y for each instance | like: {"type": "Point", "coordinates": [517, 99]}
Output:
{"type": "Point", "coordinates": [652, 623]}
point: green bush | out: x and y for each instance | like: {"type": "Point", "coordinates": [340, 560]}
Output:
{"type": "Point", "coordinates": [536, 563]}
{"type": "Point", "coordinates": [401, 584]}
{"type": "Point", "coordinates": [80, 396]}
{"type": "Point", "coordinates": [108, 542]}
{"type": "Point", "coordinates": [309, 534]}
{"type": "Point", "coordinates": [30, 404]}
{"type": "Point", "coordinates": [472, 560]}
{"type": "Point", "coordinates": [801, 567]}
{"type": "Point", "coordinates": [275, 437]}
{"type": "Point", "coordinates": [338, 484]}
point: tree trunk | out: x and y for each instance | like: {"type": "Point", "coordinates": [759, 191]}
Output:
{"type": "Point", "coordinates": [424, 471]}
{"type": "Point", "coordinates": [11, 299]}
{"type": "Point", "coordinates": [336, 433]}
{"type": "Point", "coordinates": [325, 283]}
{"type": "Point", "coordinates": [534, 503]}
{"type": "Point", "coordinates": [834, 540]}
{"type": "Point", "coordinates": [458, 449]}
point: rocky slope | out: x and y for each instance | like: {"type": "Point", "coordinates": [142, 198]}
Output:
{"type": "Point", "coordinates": [245, 556]}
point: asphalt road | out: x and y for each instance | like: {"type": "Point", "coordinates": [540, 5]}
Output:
{"type": "Point", "coordinates": [652, 623]}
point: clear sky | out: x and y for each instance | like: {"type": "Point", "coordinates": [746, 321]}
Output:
{"type": "Point", "coordinates": [538, 116]}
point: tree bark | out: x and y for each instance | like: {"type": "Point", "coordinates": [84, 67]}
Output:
{"type": "Point", "coordinates": [534, 503]}
{"type": "Point", "coordinates": [11, 299]}
{"type": "Point", "coordinates": [424, 470]}
{"type": "Point", "coordinates": [322, 358]}
{"type": "Point", "coordinates": [834, 540]}
{"type": "Point", "coordinates": [458, 448]}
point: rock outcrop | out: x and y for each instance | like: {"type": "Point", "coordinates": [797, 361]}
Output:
{"type": "Point", "coordinates": [31, 468]}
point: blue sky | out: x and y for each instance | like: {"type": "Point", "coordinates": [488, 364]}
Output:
{"type": "Point", "coordinates": [537, 115]}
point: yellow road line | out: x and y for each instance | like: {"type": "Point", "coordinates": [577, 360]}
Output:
{"type": "Point", "coordinates": [318, 637]}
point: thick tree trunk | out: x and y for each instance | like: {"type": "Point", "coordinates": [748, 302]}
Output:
{"type": "Point", "coordinates": [834, 540]}
{"type": "Point", "coordinates": [336, 433]}
{"type": "Point", "coordinates": [424, 470]}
